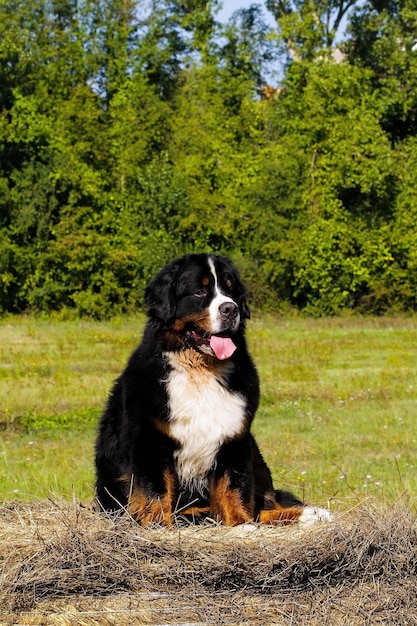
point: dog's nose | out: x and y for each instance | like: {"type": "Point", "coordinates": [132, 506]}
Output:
{"type": "Point", "coordinates": [228, 310]}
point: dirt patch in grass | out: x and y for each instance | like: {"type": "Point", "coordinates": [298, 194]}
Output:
{"type": "Point", "coordinates": [65, 564]}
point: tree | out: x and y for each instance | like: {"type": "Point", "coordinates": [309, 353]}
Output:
{"type": "Point", "coordinates": [131, 133]}
{"type": "Point", "coordinates": [309, 27]}
{"type": "Point", "coordinates": [330, 187]}
{"type": "Point", "coordinates": [382, 39]}
{"type": "Point", "coordinates": [248, 49]}
{"type": "Point", "coordinates": [175, 35]}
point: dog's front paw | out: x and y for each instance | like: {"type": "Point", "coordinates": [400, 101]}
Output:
{"type": "Point", "coordinates": [312, 515]}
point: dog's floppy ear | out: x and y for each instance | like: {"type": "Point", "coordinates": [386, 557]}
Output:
{"type": "Point", "coordinates": [160, 293]}
{"type": "Point", "coordinates": [244, 307]}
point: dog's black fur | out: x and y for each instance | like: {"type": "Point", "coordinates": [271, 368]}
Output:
{"type": "Point", "coordinates": [151, 457]}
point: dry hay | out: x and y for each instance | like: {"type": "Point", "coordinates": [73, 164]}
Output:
{"type": "Point", "coordinates": [64, 564]}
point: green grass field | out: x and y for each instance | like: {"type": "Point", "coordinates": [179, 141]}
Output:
{"type": "Point", "coordinates": [336, 422]}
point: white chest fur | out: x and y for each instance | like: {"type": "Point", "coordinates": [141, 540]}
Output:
{"type": "Point", "coordinates": [203, 415]}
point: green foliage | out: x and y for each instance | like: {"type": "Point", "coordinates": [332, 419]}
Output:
{"type": "Point", "coordinates": [383, 39]}
{"type": "Point", "coordinates": [15, 266]}
{"type": "Point", "coordinates": [132, 134]}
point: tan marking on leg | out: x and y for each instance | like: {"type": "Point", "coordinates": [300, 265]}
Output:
{"type": "Point", "coordinates": [226, 504]}
{"type": "Point", "coordinates": [147, 510]}
{"type": "Point", "coordinates": [280, 515]}
{"type": "Point", "coordinates": [194, 514]}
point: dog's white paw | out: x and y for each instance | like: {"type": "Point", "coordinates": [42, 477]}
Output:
{"type": "Point", "coordinates": [247, 527]}
{"type": "Point", "coordinates": [312, 515]}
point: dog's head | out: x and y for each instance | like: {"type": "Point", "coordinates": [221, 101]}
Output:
{"type": "Point", "coordinates": [201, 303]}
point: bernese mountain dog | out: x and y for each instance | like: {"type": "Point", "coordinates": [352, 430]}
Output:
{"type": "Point", "coordinates": [174, 440]}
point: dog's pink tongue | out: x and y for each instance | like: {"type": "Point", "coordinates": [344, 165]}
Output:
{"type": "Point", "coordinates": [223, 347]}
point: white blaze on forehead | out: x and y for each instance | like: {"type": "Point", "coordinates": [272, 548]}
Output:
{"type": "Point", "coordinates": [219, 299]}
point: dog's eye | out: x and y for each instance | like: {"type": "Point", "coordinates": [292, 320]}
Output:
{"type": "Point", "coordinates": [201, 293]}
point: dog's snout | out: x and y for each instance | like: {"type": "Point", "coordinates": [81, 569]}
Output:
{"type": "Point", "coordinates": [228, 310]}
{"type": "Point", "coordinates": [224, 315]}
